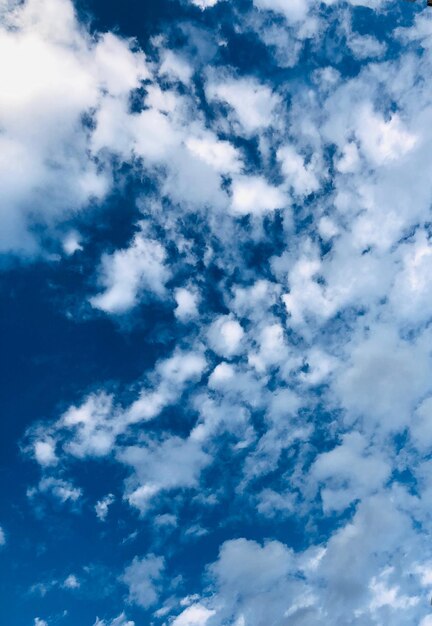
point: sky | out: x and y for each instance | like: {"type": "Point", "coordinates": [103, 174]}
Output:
{"type": "Point", "coordinates": [215, 331]}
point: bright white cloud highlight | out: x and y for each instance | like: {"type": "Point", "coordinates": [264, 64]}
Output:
{"type": "Point", "coordinates": [128, 273]}
{"type": "Point", "coordinates": [47, 169]}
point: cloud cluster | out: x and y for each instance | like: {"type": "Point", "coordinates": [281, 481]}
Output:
{"type": "Point", "coordinates": [285, 225]}
{"type": "Point", "coordinates": [57, 78]}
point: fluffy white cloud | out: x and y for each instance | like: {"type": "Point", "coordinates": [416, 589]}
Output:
{"type": "Point", "coordinates": [294, 11]}
{"type": "Point", "coordinates": [128, 273]}
{"type": "Point", "coordinates": [175, 67]}
{"type": "Point", "coordinates": [255, 583]}
{"type": "Point", "coordinates": [225, 336]}
{"type": "Point", "coordinates": [94, 426]}
{"type": "Point", "coordinates": [162, 466]}
{"type": "Point", "coordinates": [71, 582]}
{"type": "Point", "coordinates": [220, 155]}
{"type": "Point", "coordinates": [319, 365]}
{"type": "Point", "coordinates": [47, 169]}
{"type": "Point", "coordinates": [252, 102]}
{"type": "Point", "coordinates": [253, 194]}
{"type": "Point", "coordinates": [384, 380]}
{"type": "Point", "coordinates": [205, 4]}
{"type": "Point", "coordinates": [102, 506]}
{"type": "Point", "coordinates": [349, 472]}
{"type": "Point", "coordinates": [44, 452]}
{"type": "Point", "coordinates": [187, 304]}
{"type": "Point", "coordinates": [142, 577]}
{"type": "Point", "coordinates": [60, 489]}
{"type": "Point", "coordinates": [71, 243]}
{"type": "Point", "coordinates": [300, 176]}
{"type": "Point", "coordinates": [195, 615]}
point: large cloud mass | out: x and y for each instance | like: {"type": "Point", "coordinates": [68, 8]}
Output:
{"type": "Point", "coordinates": [279, 256]}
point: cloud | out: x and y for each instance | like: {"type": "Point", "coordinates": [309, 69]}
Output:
{"type": "Point", "coordinates": [349, 472]}
{"type": "Point", "coordinates": [301, 177]}
{"type": "Point", "coordinates": [384, 380]}
{"type": "Point", "coordinates": [187, 301]}
{"type": "Point", "coordinates": [285, 584]}
{"type": "Point", "coordinates": [48, 170]}
{"type": "Point", "coordinates": [195, 615]}
{"type": "Point", "coordinates": [162, 466]}
{"type": "Point", "coordinates": [128, 273]}
{"type": "Point", "coordinates": [102, 506]}
{"type": "Point", "coordinates": [58, 488]}
{"type": "Point", "coordinates": [205, 4]}
{"type": "Point", "coordinates": [293, 11]}
{"type": "Point", "coordinates": [251, 102]}
{"type": "Point", "coordinates": [288, 228]}
{"type": "Point", "coordinates": [45, 452]}
{"type": "Point", "coordinates": [71, 582]}
{"type": "Point", "coordinates": [225, 336]}
{"type": "Point", "coordinates": [221, 155]}
{"type": "Point", "coordinates": [142, 577]}
{"type": "Point", "coordinates": [254, 195]}
{"type": "Point", "coordinates": [121, 620]}
{"type": "Point", "coordinates": [175, 67]}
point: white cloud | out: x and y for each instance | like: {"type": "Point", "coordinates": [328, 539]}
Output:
{"type": "Point", "coordinates": [142, 577]}
{"type": "Point", "coordinates": [162, 466]}
{"type": "Point", "coordinates": [2, 537]}
{"type": "Point", "coordinates": [221, 155]}
{"type": "Point", "coordinates": [58, 488]}
{"type": "Point", "coordinates": [366, 47]}
{"type": "Point", "coordinates": [253, 194]}
{"type": "Point", "coordinates": [294, 11]}
{"type": "Point", "coordinates": [71, 582]}
{"type": "Point", "coordinates": [349, 472]}
{"type": "Point", "coordinates": [127, 273]}
{"type": "Point", "coordinates": [383, 380]}
{"type": "Point", "coordinates": [382, 140]}
{"type": "Point", "coordinates": [272, 349]}
{"type": "Point", "coordinates": [102, 506]}
{"type": "Point", "coordinates": [409, 295]}
{"type": "Point", "coordinates": [93, 426]}
{"type": "Point", "coordinates": [47, 170]}
{"type": "Point", "coordinates": [225, 336]}
{"type": "Point", "coordinates": [172, 374]}
{"type": "Point", "coordinates": [252, 102]}
{"type": "Point", "coordinates": [175, 67]}
{"type": "Point", "coordinates": [187, 304]}
{"type": "Point", "coordinates": [221, 373]}
{"type": "Point", "coordinates": [205, 4]}
{"type": "Point", "coordinates": [44, 452]}
{"type": "Point", "coordinates": [323, 355]}
{"type": "Point", "coordinates": [254, 583]}
{"type": "Point", "coordinates": [121, 620]}
{"type": "Point", "coordinates": [195, 615]}
{"type": "Point", "coordinates": [300, 176]}
{"type": "Point", "coordinates": [71, 243]}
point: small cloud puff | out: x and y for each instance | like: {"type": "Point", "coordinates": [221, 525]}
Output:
{"type": "Point", "coordinates": [143, 577]}
{"type": "Point", "coordinates": [102, 506]}
{"type": "Point", "coordinates": [187, 304]}
{"type": "Point", "coordinates": [225, 336]}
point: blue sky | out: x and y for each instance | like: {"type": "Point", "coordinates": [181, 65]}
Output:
{"type": "Point", "coordinates": [215, 269]}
